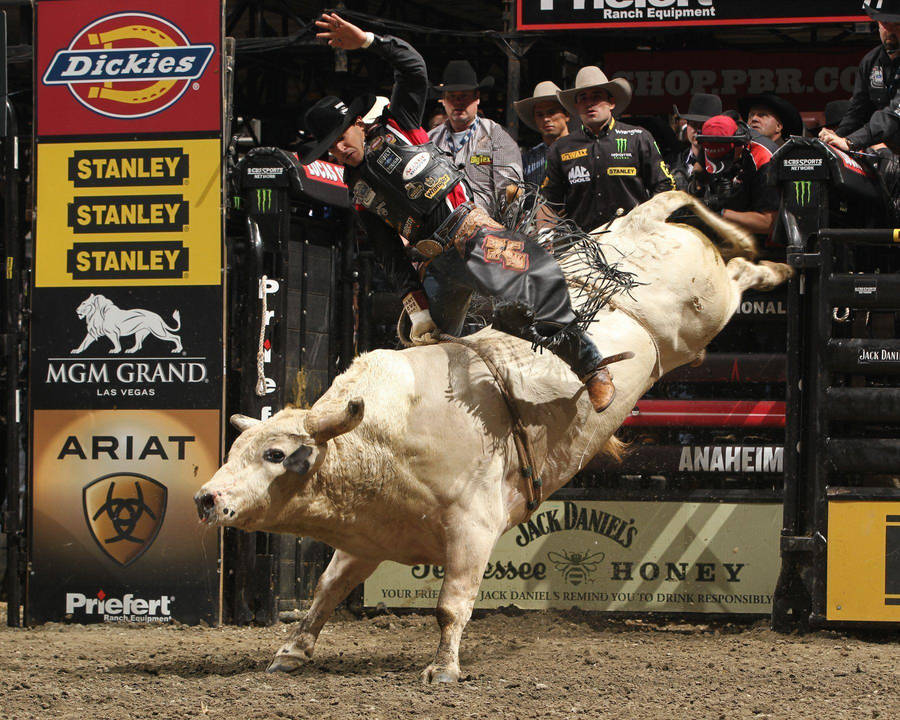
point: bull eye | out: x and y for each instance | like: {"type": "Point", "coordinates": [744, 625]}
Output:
{"type": "Point", "coordinates": [273, 455]}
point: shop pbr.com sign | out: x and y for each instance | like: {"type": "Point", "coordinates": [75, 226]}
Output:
{"type": "Point", "coordinates": [582, 14]}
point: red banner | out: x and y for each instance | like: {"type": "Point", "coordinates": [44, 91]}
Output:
{"type": "Point", "coordinates": [152, 68]}
{"type": "Point", "coordinates": [807, 80]}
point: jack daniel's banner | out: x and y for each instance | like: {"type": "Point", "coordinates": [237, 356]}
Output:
{"type": "Point", "coordinates": [127, 311]}
{"type": "Point", "coordinates": [584, 14]}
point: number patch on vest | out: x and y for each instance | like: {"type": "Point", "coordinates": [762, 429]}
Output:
{"type": "Point", "coordinates": [508, 253]}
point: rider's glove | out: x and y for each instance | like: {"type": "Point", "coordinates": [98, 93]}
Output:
{"type": "Point", "coordinates": [424, 331]}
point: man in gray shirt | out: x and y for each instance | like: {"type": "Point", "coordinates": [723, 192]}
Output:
{"type": "Point", "coordinates": [486, 153]}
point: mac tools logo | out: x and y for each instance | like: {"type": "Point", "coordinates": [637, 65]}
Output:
{"type": "Point", "coordinates": [129, 65]}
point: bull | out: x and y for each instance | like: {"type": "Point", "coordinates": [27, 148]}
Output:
{"type": "Point", "coordinates": [410, 456]}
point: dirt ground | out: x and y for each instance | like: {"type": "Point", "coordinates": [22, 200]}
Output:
{"type": "Point", "coordinates": [531, 665]}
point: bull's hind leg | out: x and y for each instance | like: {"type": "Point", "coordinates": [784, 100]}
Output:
{"type": "Point", "coordinates": [343, 573]}
{"type": "Point", "coordinates": [463, 571]}
{"type": "Point", "coordinates": [762, 276]}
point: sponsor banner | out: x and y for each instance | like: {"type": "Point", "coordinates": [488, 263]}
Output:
{"type": "Point", "coordinates": [146, 68]}
{"type": "Point", "coordinates": [863, 561]}
{"type": "Point", "coordinates": [617, 556]}
{"type": "Point", "coordinates": [115, 536]}
{"type": "Point", "coordinates": [807, 80]}
{"type": "Point", "coordinates": [114, 347]}
{"type": "Point", "coordinates": [129, 213]}
{"type": "Point", "coordinates": [582, 14]}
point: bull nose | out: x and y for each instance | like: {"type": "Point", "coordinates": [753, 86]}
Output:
{"type": "Point", "coordinates": [206, 504]}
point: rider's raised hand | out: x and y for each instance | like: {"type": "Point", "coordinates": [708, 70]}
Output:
{"type": "Point", "coordinates": [339, 33]}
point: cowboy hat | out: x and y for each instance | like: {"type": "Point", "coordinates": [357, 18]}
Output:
{"type": "Point", "coordinates": [792, 123]}
{"type": "Point", "coordinates": [883, 10]}
{"type": "Point", "coordinates": [543, 92]}
{"type": "Point", "coordinates": [328, 119]}
{"type": "Point", "coordinates": [702, 107]}
{"type": "Point", "coordinates": [460, 75]}
{"type": "Point", "coordinates": [593, 77]}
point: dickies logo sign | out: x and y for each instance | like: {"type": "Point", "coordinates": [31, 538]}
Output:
{"type": "Point", "coordinates": [128, 70]}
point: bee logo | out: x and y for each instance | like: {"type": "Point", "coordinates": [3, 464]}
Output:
{"type": "Point", "coordinates": [128, 65]}
{"type": "Point", "coordinates": [576, 567]}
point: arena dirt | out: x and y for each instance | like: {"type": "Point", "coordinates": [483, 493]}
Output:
{"type": "Point", "coordinates": [530, 665]}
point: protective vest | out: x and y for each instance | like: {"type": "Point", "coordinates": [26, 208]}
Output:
{"type": "Point", "coordinates": [402, 183]}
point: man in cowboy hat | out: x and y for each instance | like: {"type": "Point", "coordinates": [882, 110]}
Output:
{"type": "Point", "coordinates": [771, 116]}
{"type": "Point", "coordinates": [874, 113]}
{"type": "Point", "coordinates": [701, 108]}
{"type": "Point", "coordinates": [403, 185]}
{"type": "Point", "coordinates": [606, 167]}
{"type": "Point", "coordinates": [483, 149]}
{"type": "Point", "coordinates": [544, 113]}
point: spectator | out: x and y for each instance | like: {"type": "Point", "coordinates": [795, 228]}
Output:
{"type": "Point", "coordinates": [734, 177]}
{"type": "Point", "coordinates": [486, 153]}
{"type": "Point", "coordinates": [771, 116]}
{"type": "Point", "coordinates": [606, 167]}
{"type": "Point", "coordinates": [700, 109]}
{"type": "Point", "coordinates": [438, 117]}
{"type": "Point", "coordinates": [834, 113]}
{"type": "Point", "coordinates": [542, 112]}
{"type": "Point", "coordinates": [874, 113]}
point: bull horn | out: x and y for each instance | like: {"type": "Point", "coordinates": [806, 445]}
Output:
{"type": "Point", "coordinates": [323, 428]}
{"type": "Point", "coordinates": [243, 422]}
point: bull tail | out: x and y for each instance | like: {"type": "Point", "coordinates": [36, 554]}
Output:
{"type": "Point", "coordinates": [615, 449]}
{"type": "Point", "coordinates": [176, 316]}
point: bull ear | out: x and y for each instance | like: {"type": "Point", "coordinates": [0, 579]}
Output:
{"type": "Point", "coordinates": [243, 422]}
{"type": "Point", "coordinates": [322, 427]}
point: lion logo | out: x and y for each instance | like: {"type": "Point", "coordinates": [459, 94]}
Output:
{"type": "Point", "coordinates": [103, 318]}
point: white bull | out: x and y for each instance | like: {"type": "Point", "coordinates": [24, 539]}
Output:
{"type": "Point", "coordinates": [409, 456]}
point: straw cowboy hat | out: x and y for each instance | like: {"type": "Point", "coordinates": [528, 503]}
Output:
{"type": "Point", "coordinates": [543, 92]}
{"type": "Point", "coordinates": [593, 77]}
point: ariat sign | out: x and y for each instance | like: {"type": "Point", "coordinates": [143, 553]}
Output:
{"type": "Point", "coordinates": [127, 608]}
{"type": "Point", "coordinates": [127, 260]}
{"type": "Point", "coordinates": [128, 65]}
{"type": "Point", "coordinates": [126, 167]}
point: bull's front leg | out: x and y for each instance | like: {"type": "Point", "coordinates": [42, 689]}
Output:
{"type": "Point", "coordinates": [463, 571]}
{"type": "Point", "coordinates": [343, 573]}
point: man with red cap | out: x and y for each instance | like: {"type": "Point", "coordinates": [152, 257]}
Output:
{"type": "Point", "coordinates": [403, 185]}
{"type": "Point", "coordinates": [735, 159]}
{"type": "Point", "coordinates": [874, 113]}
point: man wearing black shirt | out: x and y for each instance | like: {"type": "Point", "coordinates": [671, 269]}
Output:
{"type": "Point", "coordinates": [874, 113]}
{"type": "Point", "coordinates": [606, 167]}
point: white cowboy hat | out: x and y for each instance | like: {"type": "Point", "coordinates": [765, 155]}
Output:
{"type": "Point", "coordinates": [543, 91]}
{"type": "Point", "coordinates": [593, 77]}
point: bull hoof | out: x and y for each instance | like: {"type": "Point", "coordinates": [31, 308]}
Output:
{"type": "Point", "coordinates": [433, 674]}
{"type": "Point", "coordinates": [285, 664]}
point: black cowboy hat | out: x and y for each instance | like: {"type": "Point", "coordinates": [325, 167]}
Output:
{"type": "Point", "coordinates": [792, 123]}
{"type": "Point", "coordinates": [883, 10]}
{"type": "Point", "coordinates": [834, 112]}
{"type": "Point", "coordinates": [702, 107]}
{"type": "Point", "coordinates": [328, 119]}
{"type": "Point", "coordinates": [460, 75]}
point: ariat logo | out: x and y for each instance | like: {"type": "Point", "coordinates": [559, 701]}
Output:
{"type": "Point", "coordinates": [579, 174]}
{"type": "Point", "coordinates": [128, 65]}
{"type": "Point", "coordinates": [626, 171]}
{"type": "Point", "coordinates": [128, 214]}
{"type": "Point", "coordinates": [622, 145]}
{"type": "Point", "coordinates": [803, 192]}
{"type": "Point", "coordinates": [124, 512]}
{"type": "Point", "coordinates": [264, 199]}
{"type": "Point", "coordinates": [573, 155]}
{"type": "Point", "coordinates": [128, 167]}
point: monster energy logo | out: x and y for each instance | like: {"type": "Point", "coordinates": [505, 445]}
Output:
{"type": "Point", "coordinates": [622, 145]}
{"type": "Point", "coordinates": [803, 192]}
{"type": "Point", "coordinates": [264, 199]}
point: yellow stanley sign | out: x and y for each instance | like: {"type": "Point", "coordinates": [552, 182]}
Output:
{"type": "Point", "coordinates": [863, 561]}
{"type": "Point", "coordinates": [129, 213]}
{"type": "Point", "coordinates": [628, 171]}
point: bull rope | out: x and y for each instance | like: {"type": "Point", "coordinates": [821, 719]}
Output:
{"type": "Point", "coordinates": [534, 490]}
{"type": "Point", "coordinates": [261, 350]}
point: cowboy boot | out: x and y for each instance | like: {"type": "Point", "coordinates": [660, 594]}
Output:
{"type": "Point", "coordinates": [600, 388]}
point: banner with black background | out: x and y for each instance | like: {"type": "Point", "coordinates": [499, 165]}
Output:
{"type": "Point", "coordinates": [583, 14]}
{"type": "Point", "coordinates": [126, 365]}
